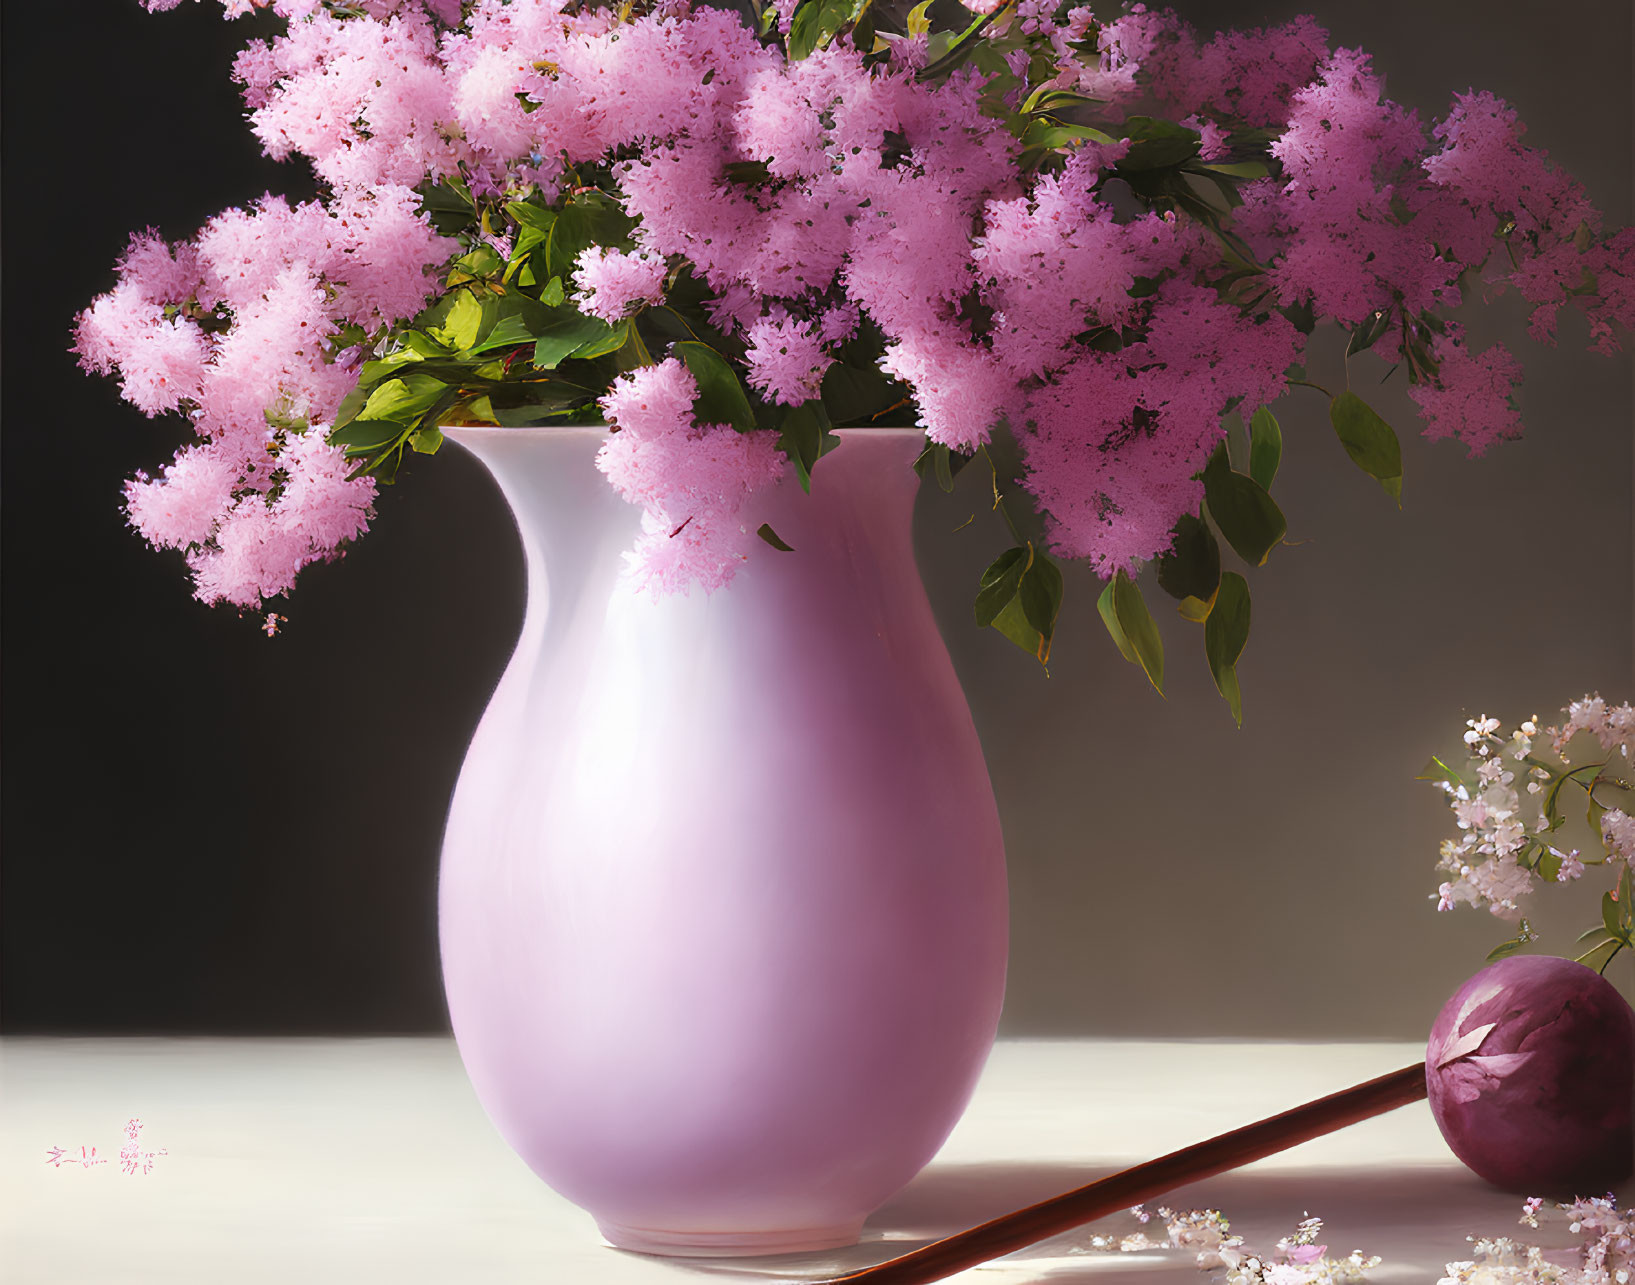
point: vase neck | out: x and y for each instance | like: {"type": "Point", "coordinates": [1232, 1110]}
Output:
{"type": "Point", "coordinates": [575, 528]}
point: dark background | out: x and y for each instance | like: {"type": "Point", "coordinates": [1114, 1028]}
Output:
{"type": "Point", "coordinates": [208, 830]}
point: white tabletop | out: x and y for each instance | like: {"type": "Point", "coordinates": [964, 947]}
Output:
{"type": "Point", "coordinates": [317, 1160]}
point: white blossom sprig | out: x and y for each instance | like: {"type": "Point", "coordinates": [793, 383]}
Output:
{"type": "Point", "coordinates": [1298, 1259]}
{"type": "Point", "coordinates": [1505, 850]}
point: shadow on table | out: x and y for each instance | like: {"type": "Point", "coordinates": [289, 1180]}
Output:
{"type": "Point", "coordinates": [1425, 1212]}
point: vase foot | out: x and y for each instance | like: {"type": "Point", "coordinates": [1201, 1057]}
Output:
{"type": "Point", "coordinates": [729, 1244]}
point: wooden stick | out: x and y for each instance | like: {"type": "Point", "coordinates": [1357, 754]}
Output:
{"type": "Point", "coordinates": [1121, 1190]}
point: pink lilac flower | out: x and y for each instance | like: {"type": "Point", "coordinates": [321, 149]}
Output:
{"type": "Point", "coordinates": [1049, 264]}
{"type": "Point", "coordinates": [160, 272]}
{"type": "Point", "coordinates": [258, 547]}
{"type": "Point", "coordinates": [1472, 396]}
{"type": "Point", "coordinates": [1343, 145]}
{"type": "Point", "coordinates": [379, 255]}
{"type": "Point", "coordinates": [365, 99]}
{"type": "Point", "coordinates": [880, 205]}
{"type": "Point", "coordinates": [1546, 218]}
{"type": "Point", "coordinates": [693, 481]}
{"type": "Point", "coordinates": [1113, 446]}
{"type": "Point", "coordinates": [786, 360]}
{"type": "Point", "coordinates": [611, 283]}
{"type": "Point", "coordinates": [183, 505]}
{"type": "Point", "coordinates": [161, 363]}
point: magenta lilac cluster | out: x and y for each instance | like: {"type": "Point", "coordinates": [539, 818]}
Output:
{"type": "Point", "coordinates": [886, 194]}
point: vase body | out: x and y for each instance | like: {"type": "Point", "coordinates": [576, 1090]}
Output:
{"type": "Point", "coordinates": [722, 904]}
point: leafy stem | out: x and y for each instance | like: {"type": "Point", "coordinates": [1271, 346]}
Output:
{"type": "Point", "coordinates": [999, 499]}
{"type": "Point", "coordinates": [1596, 949]}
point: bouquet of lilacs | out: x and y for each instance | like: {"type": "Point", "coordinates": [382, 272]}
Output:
{"type": "Point", "coordinates": [1091, 237]}
{"type": "Point", "coordinates": [1513, 800]}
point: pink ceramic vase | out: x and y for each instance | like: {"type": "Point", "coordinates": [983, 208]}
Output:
{"type": "Point", "coordinates": [723, 906]}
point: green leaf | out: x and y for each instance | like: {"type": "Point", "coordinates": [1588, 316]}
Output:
{"type": "Point", "coordinates": [370, 375]}
{"type": "Point", "coordinates": [853, 393]}
{"type": "Point", "coordinates": [404, 398]}
{"type": "Point", "coordinates": [611, 339]}
{"type": "Point", "coordinates": [942, 462]}
{"type": "Point", "coordinates": [422, 344]}
{"type": "Point", "coordinates": [1247, 516]}
{"type": "Point", "coordinates": [863, 34]}
{"type": "Point", "coordinates": [1021, 596]}
{"type": "Point", "coordinates": [766, 533]}
{"type": "Point", "coordinates": [427, 440]}
{"type": "Point", "coordinates": [465, 321]}
{"type": "Point", "coordinates": [1437, 770]}
{"type": "Point", "coordinates": [591, 218]}
{"type": "Point", "coordinates": [948, 50]}
{"type": "Point", "coordinates": [1109, 617]}
{"type": "Point", "coordinates": [551, 294]}
{"type": "Point", "coordinates": [999, 584]}
{"type": "Point", "coordinates": [1505, 948]}
{"type": "Point", "coordinates": [448, 205]}
{"type": "Point", "coordinates": [531, 216]}
{"type": "Point", "coordinates": [1192, 567]}
{"type": "Point", "coordinates": [806, 439]}
{"type": "Point", "coordinates": [721, 398]}
{"type": "Point", "coordinates": [520, 322]}
{"type": "Point", "coordinates": [1366, 335]}
{"type": "Point", "coordinates": [1369, 440]}
{"type": "Point", "coordinates": [1609, 915]}
{"type": "Point", "coordinates": [1137, 633]}
{"type": "Point", "coordinates": [566, 331]}
{"type": "Point", "coordinates": [1265, 447]}
{"type": "Point", "coordinates": [1047, 132]}
{"type": "Point", "coordinates": [1598, 932]}
{"type": "Point", "coordinates": [815, 23]}
{"type": "Point", "coordinates": [1235, 169]}
{"type": "Point", "coordinates": [1157, 144]}
{"type": "Point", "coordinates": [1044, 100]}
{"type": "Point", "coordinates": [1196, 609]}
{"type": "Point", "coordinates": [1552, 801]}
{"type": "Point", "coordinates": [363, 435]}
{"type": "Point", "coordinates": [1611, 946]}
{"type": "Point", "coordinates": [480, 261]}
{"type": "Point", "coordinates": [1549, 866]}
{"type": "Point", "coordinates": [1040, 594]}
{"type": "Point", "coordinates": [1012, 623]}
{"type": "Point", "coordinates": [1225, 633]}
{"type": "Point", "coordinates": [531, 412]}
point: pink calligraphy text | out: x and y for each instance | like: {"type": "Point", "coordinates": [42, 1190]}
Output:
{"type": "Point", "coordinates": [132, 1157]}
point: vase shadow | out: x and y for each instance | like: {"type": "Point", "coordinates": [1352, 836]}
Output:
{"type": "Point", "coordinates": [1416, 1216]}
{"type": "Point", "coordinates": [942, 1200]}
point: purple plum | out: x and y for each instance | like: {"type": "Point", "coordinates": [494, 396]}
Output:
{"type": "Point", "coordinates": [1530, 1070]}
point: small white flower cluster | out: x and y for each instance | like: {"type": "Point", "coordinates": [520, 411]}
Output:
{"type": "Point", "coordinates": [1607, 1256]}
{"type": "Point", "coordinates": [1298, 1260]}
{"type": "Point", "coordinates": [1501, 854]}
